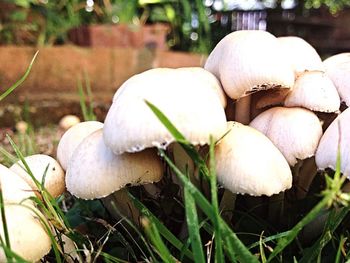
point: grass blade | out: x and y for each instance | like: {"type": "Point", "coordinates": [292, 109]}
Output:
{"type": "Point", "coordinates": [219, 256]}
{"type": "Point", "coordinates": [339, 251]}
{"type": "Point", "coordinates": [4, 224]}
{"type": "Point", "coordinates": [285, 241]}
{"type": "Point", "coordinates": [191, 151]}
{"type": "Point", "coordinates": [21, 80]}
{"type": "Point", "coordinates": [153, 234]}
{"type": "Point", "coordinates": [330, 194]}
{"type": "Point", "coordinates": [193, 227]}
{"type": "Point", "coordinates": [232, 242]}
{"type": "Point", "coordinates": [162, 229]}
{"type": "Point", "coordinates": [82, 100]}
{"type": "Point", "coordinates": [91, 114]}
{"type": "Point", "coordinates": [333, 221]}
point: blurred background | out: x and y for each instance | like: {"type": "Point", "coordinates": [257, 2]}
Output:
{"type": "Point", "coordinates": [102, 43]}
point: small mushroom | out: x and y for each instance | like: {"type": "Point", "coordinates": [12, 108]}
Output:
{"type": "Point", "coordinates": [243, 67]}
{"type": "Point", "coordinates": [94, 171]}
{"type": "Point", "coordinates": [315, 91]}
{"type": "Point", "coordinates": [296, 133]}
{"type": "Point", "coordinates": [68, 121]}
{"type": "Point", "coordinates": [71, 139]}
{"type": "Point", "coordinates": [38, 163]}
{"type": "Point", "coordinates": [247, 162]}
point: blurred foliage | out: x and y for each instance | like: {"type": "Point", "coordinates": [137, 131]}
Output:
{"type": "Point", "coordinates": [333, 6]}
{"type": "Point", "coordinates": [46, 22]}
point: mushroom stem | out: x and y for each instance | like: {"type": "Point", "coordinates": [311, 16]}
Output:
{"type": "Point", "coordinates": [276, 208]}
{"type": "Point", "coordinates": [227, 205]}
{"type": "Point", "coordinates": [242, 114]}
{"type": "Point", "coordinates": [119, 204]}
{"type": "Point", "coordinates": [306, 175]}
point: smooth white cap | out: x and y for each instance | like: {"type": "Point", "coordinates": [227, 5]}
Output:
{"type": "Point", "coordinates": [295, 131]}
{"type": "Point", "coordinates": [184, 95]}
{"type": "Point", "coordinates": [301, 55]}
{"type": "Point", "coordinates": [335, 60]}
{"type": "Point", "coordinates": [71, 139]}
{"type": "Point", "coordinates": [95, 172]}
{"type": "Point", "coordinates": [68, 121]}
{"type": "Point", "coordinates": [315, 91]}
{"type": "Point", "coordinates": [249, 60]}
{"type": "Point", "coordinates": [337, 133]}
{"type": "Point", "coordinates": [247, 162]}
{"type": "Point", "coordinates": [54, 178]}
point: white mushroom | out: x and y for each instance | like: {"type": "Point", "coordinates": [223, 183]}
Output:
{"type": "Point", "coordinates": [95, 172]}
{"type": "Point", "coordinates": [336, 135]}
{"type": "Point", "coordinates": [38, 163]}
{"type": "Point", "coordinates": [247, 162]}
{"type": "Point", "coordinates": [68, 121]}
{"type": "Point", "coordinates": [315, 91]}
{"type": "Point", "coordinates": [71, 139]}
{"type": "Point", "coordinates": [184, 95]}
{"type": "Point", "coordinates": [243, 67]}
{"type": "Point", "coordinates": [295, 131]}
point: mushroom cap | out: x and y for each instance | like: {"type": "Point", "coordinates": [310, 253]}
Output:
{"type": "Point", "coordinates": [71, 139]}
{"type": "Point", "coordinates": [247, 162]}
{"type": "Point", "coordinates": [54, 177]}
{"type": "Point", "coordinates": [68, 121]}
{"type": "Point", "coordinates": [95, 172]}
{"type": "Point", "coordinates": [184, 95]}
{"type": "Point", "coordinates": [339, 73]}
{"type": "Point", "coordinates": [335, 60]}
{"type": "Point", "coordinates": [295, 131]}
{"type": "Point", "coordinates": [326, 154]}
{"type": "Point", "coordinates": [28, 237]}
{"type": "Point", "coordinates": [21, 126]}
{"type": "Point", "coordinates": [301, 54]}
{"type": "Point", "coordinates": [243, 67]}
{"type": "Point", "coordinates": [315, 91]}
{"type": "Point", "coordinates": [14, 188]}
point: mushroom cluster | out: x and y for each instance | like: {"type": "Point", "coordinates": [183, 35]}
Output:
{"type": "Point", "coordinates": [295, 115]}
{"type": "Point", "coordinates": [281, 88]}
{"type": "Point", "coordinates": [284, 99]}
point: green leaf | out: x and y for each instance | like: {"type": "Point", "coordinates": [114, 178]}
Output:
{"type": "Point", "coordinates": [193, 227]}
{"type": "Point", "coordinates": [153, 234]}
{"type": "Point", "coordinates": [219, 256]}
